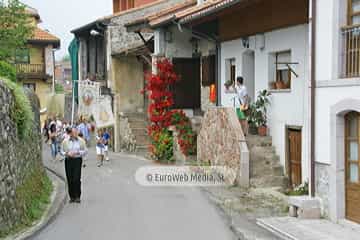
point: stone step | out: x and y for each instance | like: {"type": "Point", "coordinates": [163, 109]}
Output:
{"type": "Point", "coordinates": [269, 181]}
{"type": "Point", "coordinates": [142, 148]}
{"type": "Point", "coordinates": [135, 115]}
{"type": "Point", "coordinates": [142, 140]}
{"type": "Point", "coordinates": [138, 124]}
{"type": "Point", "coordinates": [266, 158]}
{"type": "Point", "coordinates": [260, 170]}
{"type": "Point", "coordinates": [139, 131]}
{"type": "Point", "coordinates": [255, 140]}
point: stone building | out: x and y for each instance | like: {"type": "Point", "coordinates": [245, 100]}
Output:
{"type": "Point", "coordinates": [119, 60]}
{"type": "Point", "coordinates": [35, 63]}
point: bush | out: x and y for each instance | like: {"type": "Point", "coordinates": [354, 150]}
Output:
{"type": "Point", "coordinates": [162, 146]}
{"type": "Point", "coordinates": [187, 137]}
{"type": "Point", "coordinates": [32, 198]}
{"type": "Point", "coordinates": [21, 111]}
{"type": "Point", "coordinates": [7, 71]}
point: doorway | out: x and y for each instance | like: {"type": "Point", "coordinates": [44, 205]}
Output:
{"type": "Point", "coordinates": [352, 166]}
{"type": "Point", "coordinates": [248, 72]}
{"type": "Point", "coordinates": [294, 156]}
{"type": "Point", "coordinates": [187, 90]}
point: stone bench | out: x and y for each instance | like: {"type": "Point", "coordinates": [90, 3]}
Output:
{"type": "Point", "coordinates": [304, 207]}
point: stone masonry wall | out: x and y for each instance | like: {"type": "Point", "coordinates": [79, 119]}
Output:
{"type": "Point", "coordinates": [322, 187]}
{"type": "Point", "coordinates": [222, 143]}
{"type": "Point", "coordinates": [120, 38]}
{"type": "Point", "coordinates": [17, 157]}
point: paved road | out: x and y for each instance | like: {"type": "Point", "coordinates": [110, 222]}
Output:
{"type": "Point", "coordinates": [114, 206]}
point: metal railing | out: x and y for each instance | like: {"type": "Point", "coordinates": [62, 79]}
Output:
{"type": "Point", "coordinates": [24, 68]}
{"type": "Point", "coordinates": [351, 52]}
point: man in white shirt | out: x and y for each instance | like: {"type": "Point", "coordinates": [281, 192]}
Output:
{"type": "Point", "coordinates": [74, 149]}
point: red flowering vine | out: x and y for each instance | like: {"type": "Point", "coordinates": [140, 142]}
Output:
{"type": "Point", "coordinates": [161, 117]}
{"type": "Point", "coordinates": [161, 98]}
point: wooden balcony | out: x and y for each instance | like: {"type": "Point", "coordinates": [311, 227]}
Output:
{"type": "Point", "coordinates": [351, 52]}
{"type": "Point", "coordinates": [31, 71]}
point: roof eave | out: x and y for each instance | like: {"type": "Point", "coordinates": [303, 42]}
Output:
{"type": "Point", "coordinates": [55, 43]}
{"type": "Point", "coordinates": [88, 26]}
{"type": "Point", "coordinates": [208, 11]}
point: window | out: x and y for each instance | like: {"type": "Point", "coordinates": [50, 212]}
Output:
{"type": "Point", "coordinates": [280, 69]}
{"type": "Point", "coordinates": [353, 12]}
{"type": "Point", "coordinates": [22, 56]}
{"type": "Point", "coordinates": [230, 72]}
{"type": "Point", "coordinates": [31, 86]}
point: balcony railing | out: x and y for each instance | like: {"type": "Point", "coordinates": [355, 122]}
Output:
{"type": "Point", "coordinates": [33, 69]}
{"type": "Point", "coordinates": [351, 52]}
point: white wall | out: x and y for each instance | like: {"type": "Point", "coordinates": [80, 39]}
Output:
{"type": "Point", "coordinates": [331, 89]}
{"type": "Point", "coordinates": [287, 107]}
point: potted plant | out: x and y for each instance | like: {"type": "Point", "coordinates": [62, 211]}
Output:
{"type": "Point", "coordinates": [251, 117]}
{"type": "Point", "coordinates": [280, 84]}
{"type": "Point", "coordinates": [228, 84]}
{"type": "Point", "coordinates": [260, 115]}
{"type": "Point", "coordinates": [272, 85]}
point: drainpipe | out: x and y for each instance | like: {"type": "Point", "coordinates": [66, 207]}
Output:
{"type": "Point", "coordinates": [312, 96]}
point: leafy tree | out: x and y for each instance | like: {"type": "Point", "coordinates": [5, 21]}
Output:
{"type": "Point", "coordinates": [8, 71]}
{"type": "Point", "coordinates": [15, 28]}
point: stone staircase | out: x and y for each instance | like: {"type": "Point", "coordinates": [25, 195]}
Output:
{"type": "Point", "coordinates": [138, 125]}
{"type": "Point", "coordinates": [265, 168]}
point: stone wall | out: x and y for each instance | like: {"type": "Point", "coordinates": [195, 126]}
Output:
{"type": "Point", "coordinates": [322, 189]}
{"type": "Point", "coordinates": [17, 157]}
{"type": "Point", "coordinates": [221, 142]}
{"type": "Point", "coordinates": [127, 138]}
{"type": "Point", "coordinates": [120, 38]}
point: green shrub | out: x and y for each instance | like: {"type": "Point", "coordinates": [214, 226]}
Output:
{"type": "Point", "coordinates": [21, 111]}
{"type": "Point", "coordinates": [7, 71]}
{"type": "Point", "coordinates": [162, 146]}
{"type": "Point", "coordinates": [32, 199]}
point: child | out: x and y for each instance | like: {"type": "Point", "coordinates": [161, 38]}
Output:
{"type": "Point", "coordinates": [100, 148]}
{"type": "Point", "coordinates": [106, 139]}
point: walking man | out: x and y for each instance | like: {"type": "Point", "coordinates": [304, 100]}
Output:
{"type": "Point", "coordinates": [74, 149]}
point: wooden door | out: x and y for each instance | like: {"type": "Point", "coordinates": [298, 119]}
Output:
{"type": "Point", "coordinates": [352, 166]}
{"type": "Point", "coordinates": [295, 157]}
{"type": "Point", "coordinates": [187, 90]}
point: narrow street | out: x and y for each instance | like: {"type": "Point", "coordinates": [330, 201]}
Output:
{"type": "Point", "coordinates": [114, 206]}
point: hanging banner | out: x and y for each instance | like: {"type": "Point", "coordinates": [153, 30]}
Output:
{"type": "Point", "coordinates": [89, 94]}
{"type": "Point", "coordinates": [91, 103]}
{"type": "Point", "coordinates": [103, 114]}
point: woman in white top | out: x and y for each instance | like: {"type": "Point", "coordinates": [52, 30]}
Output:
{"type": "Point", "coordinates": [243, 97]}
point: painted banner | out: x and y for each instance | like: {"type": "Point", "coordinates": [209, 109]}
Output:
{"type": "Point", "coordinates": [102, 113]}
{"type": "Point", "coordinates": [89, 94]}
{"type": "Point", "coordinates": [91, 103]}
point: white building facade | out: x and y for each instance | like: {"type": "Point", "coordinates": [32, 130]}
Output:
{"type": "Point", "coordinates": [337, 108]}
{"type": "Point", "coordinates": [255, 62]}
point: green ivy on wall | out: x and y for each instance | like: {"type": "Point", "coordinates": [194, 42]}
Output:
{"type": "Point", "coordinates": [21, 112]}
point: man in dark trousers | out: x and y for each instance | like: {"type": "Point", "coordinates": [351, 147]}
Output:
{"type": "Point", "coordinates": [74, 149]}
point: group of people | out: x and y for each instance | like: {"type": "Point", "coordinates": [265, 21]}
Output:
{"type": "Point", "coordinates": [70, 143]}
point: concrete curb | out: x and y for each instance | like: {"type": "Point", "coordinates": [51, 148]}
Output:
{"type": "Point", "coordinates": [243, 231]}
{"type": "Point", "coordinates": [58, 201]}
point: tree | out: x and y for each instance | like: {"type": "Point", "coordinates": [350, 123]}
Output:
{"type": "Point", "coordinates": [15, 28]}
